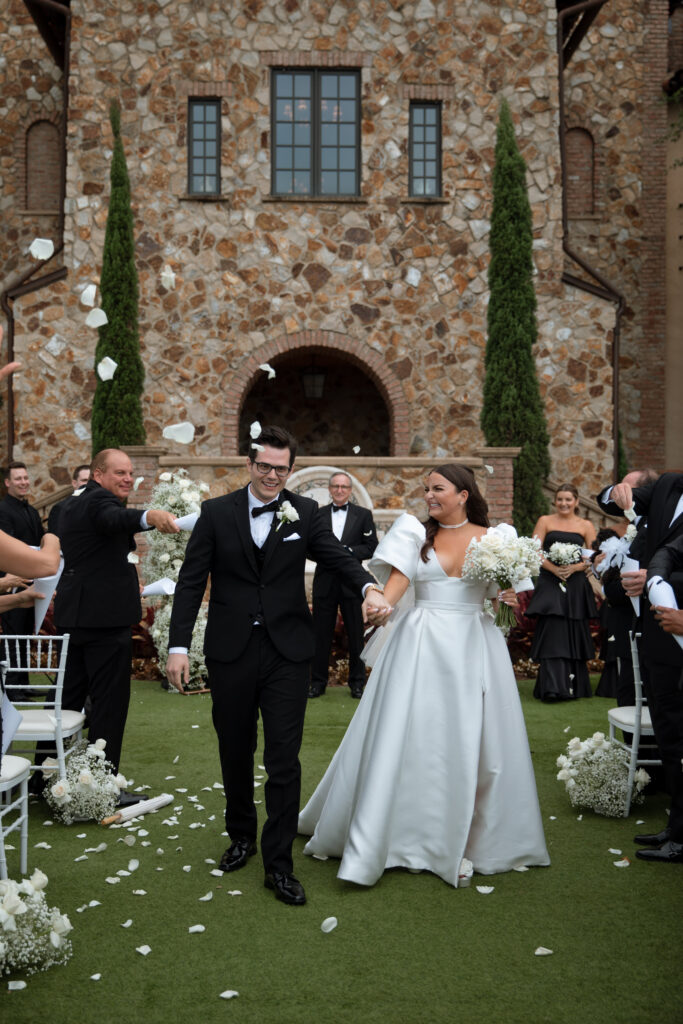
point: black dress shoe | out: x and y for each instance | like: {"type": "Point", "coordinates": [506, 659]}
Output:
{"type": "Point", "coordinates": [286, 887]}
{"type": "Point", "coordinates": [654, 838]}
{"type": "Point", "coordinates": [356, 692]}
{"type": "Point", "coordinates": [316, 691]}
{"type": "Point", "coordinates": [669, 853]}
{"type": "Point", "coordinates": [127, 799]}
{"type": "Point", "coordinates": [237, 855]}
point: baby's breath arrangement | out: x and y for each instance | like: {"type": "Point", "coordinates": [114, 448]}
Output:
{"type": "Point", "coordinates": [33, 936]}
{"type": "Point", "coordinates": [595, 774]}
{"type": "Point", "coordinates": [177, 493]}
{"type": "Point", "coordinates": [90, 788]}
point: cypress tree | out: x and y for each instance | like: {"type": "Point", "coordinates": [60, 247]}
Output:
{"type": "Point", "coordinates": [512, 411]}
{"type": "Point", "coordinates": [117, 411]}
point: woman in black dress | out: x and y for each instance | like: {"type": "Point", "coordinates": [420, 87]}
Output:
{"type": "Point", "coordinates": [563, 603]}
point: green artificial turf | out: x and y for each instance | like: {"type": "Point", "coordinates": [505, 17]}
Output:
{"type": "Point", "coordinates": [407, 951]}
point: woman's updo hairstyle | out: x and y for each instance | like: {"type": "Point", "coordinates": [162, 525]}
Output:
{"type": "Point", "coordinates": [476, 508]}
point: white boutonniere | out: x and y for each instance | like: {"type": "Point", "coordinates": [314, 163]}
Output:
{"type": "Point", "coordinates": [286, 514]}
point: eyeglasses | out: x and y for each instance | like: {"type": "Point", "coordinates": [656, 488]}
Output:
{"type": "Point", "coordinates": [265, 467]}
{"type": "Point", "coordinates": [340, 487]}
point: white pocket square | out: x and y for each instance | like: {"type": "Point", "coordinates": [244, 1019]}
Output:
{"type": "Point", "coordinates": [292, 536]}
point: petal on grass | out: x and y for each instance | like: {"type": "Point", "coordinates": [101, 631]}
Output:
{"type": "Point", "coordinates": [143, 950]}
{"type": "Point", "coordinates": [320, 856]}
{"type": "Point", "coordinates": [485, 889]}
{"type": "Point", "coordinates": [229, 993]}
{"type": "Point", "coordinates": [83, 856]}
{"type": "Point", "coordinates": [329, 924]}
{"type": "Point", "coordinates": [623, 863]}
{"type": "Point", "coordinates": [196, 928]}
{"type": "Point", "coordinates": [112, 880]}
{"type": "Point", "coordinates": [543, 951]}
{"type": "Point", "coordinates": [617, 853]}
{"type": "Point", "coordinates": [216, 872]}
{"type": "Point", "coordinates": [133, 865]}
{"type": "Point", "coordinates": [207, 898]}
{"type": "Point", "coordinates": [95, 977]}
{"type": "Point", "coordinates": [139, 892]}
{"type": "Point", "coordinates": [42, 846]}
{"type": "Point", "coordinates": [16, 986]}
{"type": "Point", "coordinates": [128, 923]}
{"type": "Point", "coordinates": [234, 892]}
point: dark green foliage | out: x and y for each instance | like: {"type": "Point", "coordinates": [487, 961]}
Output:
{"type": "Point", "coordinates": [512, 412]}
{"type": "Point", "coordinates": [622, 461]}
{"type": "Point", "coordinates": [117, 412]}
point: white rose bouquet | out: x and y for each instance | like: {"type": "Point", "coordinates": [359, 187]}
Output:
{"type": "Point", "coordinates": [595, 775]}
{"type": "Point", "coordinates": [33, 936]}
{"type": "Point", "coordinates": [90, 788]}
{"type": "Point", "coordinates": [503, 558]}
{"type": "Point", "coordinates": [564, 553]}
{"type": "Point", "coordinates": [182, 496]}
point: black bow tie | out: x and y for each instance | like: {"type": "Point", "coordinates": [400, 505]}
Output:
{"type": "Point", "coordinates": [258, 510]}
{"type": "Point", "coordinates": [340, 508]}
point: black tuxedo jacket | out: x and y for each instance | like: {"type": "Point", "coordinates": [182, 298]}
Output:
{"type": "Point", "coordinates": [20, 520]}
{"type": "Point", "coordinates": [359, 537]}
{"type": "Point", "coordinates": [657, 501]}
{"type": "Point", "coordinates": [221, 547]}
{"type": "Point", "coordinates": [99, 586]}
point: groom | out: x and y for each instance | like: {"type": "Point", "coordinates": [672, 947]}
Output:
{"type": "Point", "coordinates": [253, 543]}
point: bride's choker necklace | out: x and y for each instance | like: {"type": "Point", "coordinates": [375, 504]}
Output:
{"type": "Point", "coordinates": [453, 526]}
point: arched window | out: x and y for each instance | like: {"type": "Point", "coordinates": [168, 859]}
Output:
{"type": "Point", "coordinates": [42, 167]}
{"type": "Point", "coordinates": [580, 157]}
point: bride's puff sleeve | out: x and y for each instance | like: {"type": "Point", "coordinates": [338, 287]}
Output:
{"type": "Point", "coordinates": [399, 549]}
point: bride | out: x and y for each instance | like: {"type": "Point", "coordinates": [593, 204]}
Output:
{"type": "Point", "coordinates": [435, 765]}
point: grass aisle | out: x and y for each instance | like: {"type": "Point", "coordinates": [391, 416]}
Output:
{"type": "Point", "coordinates": [409, 950]}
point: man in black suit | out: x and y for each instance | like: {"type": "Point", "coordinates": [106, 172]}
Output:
{"type": "Point", "coordinates": [662, 660]}
{"type": "Point", "coordinates": [253, 543]}
{"type": "Point", "coordinates": [20, 520]}
{"type": "Point", "coordinates": [78, 480]}
{"type": "Point", "coordinates": [98, 597]}
{"type": "Point", "coordinates": [354, 527]}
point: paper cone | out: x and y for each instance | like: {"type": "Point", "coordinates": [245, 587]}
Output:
{"type": "Point", "coordinates": [46, 585]}
{"type": "Point", "coordinates": [164, 586]}
{"type": "Point", "coordinates": [187, 522]}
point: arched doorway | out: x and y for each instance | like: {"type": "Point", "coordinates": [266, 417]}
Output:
{"type": "Point", "coordinates": [329, 404]}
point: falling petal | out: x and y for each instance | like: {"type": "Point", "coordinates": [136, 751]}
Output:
{"type": "Point", "coordinates": [320, 856]}
{"type": "Point", "coordinates": [543, 951]}
{"type": "Point", "coordinates": [95, 977]}
{"type": "Point", "coordinates": [615, 852]}
{"type": "Point", "coordinates": [168, 278]}
{"type": "Point", "coordinates": [641, 821]}
{"type": "Point", "coordinates": [195, 928]}
{"type": "Point", "coordinates": [16, 986]}
{"type": "Point", "coordinates": [257, 446]}
{"type": "Point", "coordinates": [96, 318]}
{"type": "Point", "coordinates": [144, 950]}
{"type": "Point", "coordinates": [48, 823]}
{"type": "Point", "coordinates": [611, 638]}
{"type": "Point", "coordinates": [267, 368]}
{"type": "Point", "coordinates": [205, 899]}
{"type": "Point", "coordinates": [229, 993]}
{"type": "Point", "coordinates": [138, 481]}
{"type": "Point", "coordinates": [183, 433]}
{"type": "Point", "coordinates": [485, 889]}
{"type": "Point", "coordinates": [106, 368]}
{"type": "Point", "coordinates": [571, 676]}
{"type": "Point", "coordinates": [355, 449]}
{"type": "Point", "coordinates": [553, 817]}
{"type": "Point", "coordinates": [329, 924]}
{"type": "Point", "coordinates": [41, 248]}
{"type": "Point", "coordinates": [254, 430]}
{"type": "Point", "coordinates": [623, 863]}
{"type": "Point", "coordinates": [133, 558]}
{"type": "Point", "coordinates": [128, 923]}
{"type": "Point", "coordinates": [489, 469]}
{"type": "Point", "coordinates": [88, 295]}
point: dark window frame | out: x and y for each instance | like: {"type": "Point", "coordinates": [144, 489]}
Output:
{"type": "Point", "coordinates": [195, 102]}
{"type": "Point", "coordinates": [315, 146]}
{"type": "Point", "coordinates": [416, 105]}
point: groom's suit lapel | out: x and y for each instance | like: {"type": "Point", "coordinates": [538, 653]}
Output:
{"type": "Point", "coordinates": [275, 535]}
{"type": "Point", "coordinates": [241, 513]}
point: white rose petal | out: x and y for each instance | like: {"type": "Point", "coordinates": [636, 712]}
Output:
{"type": "Point", "coordinates": [128, 923]}
{"type": "Point", "coordinates": [329, 924]}
{"type": "Point", "coordinates": [543, 951]}
{"type": "Point", "coordinates": [207, 898]}
{"type": "Point", "coordinates": [168, 278]}
{"type": "Point", "coordinates": [16, 986]}
{"type": "Point", "coordinates": [196, 928]}
{"type": "Point", "coordinates": [96, 318]}
{"type": "Point", "coordinates": [254, 430]}
{"type": "Point", "coordinates": [41, 248]}
{"type": "Point", "coordinates": [485, 889]}
{"type": "Point", "coordinates": [320, 856]}
{"type": "Point", "coordinates": [267, 368]}
{"type": "Point", "coordinates": [139, 892]}
{"type": "Point", "coordinates": [567, 729]}
{"type": "Point", "coordinates": [129, 840]}
{"type": "Point", "coordinates": [94, 903]}
{"type": "Point", "coordinates": [165, 477]}
{"type": "Point", "coordinates": [83, 856]}
{"type": "Point", "coordinates": [641, 821]}
{"type": "Point", "coordinates": [187, 867]}
{"type": "Point", "coordinates": [112, 880]}
{"type": "Point", "coordinates": [520, 867]}
{"type": "Point", "coordinates": [229, 993]}
{"type": "Point", "coordinates": [42, 846]}
{"type": "Point", "coordinates": [258, 447]}
{"type": "Point", "coordinates": [144, 950]}
{"type": "Point", "coordinates": [88, 295]}
{"type": "Point", "coordinates": [624, 863]}
{"type": "Point", "coordinates": [355, 449]}
{"type": "Point", "coordinates": [106, 368]}
{"type": "Point", "coordinates": [133, 865]}
{"type": "Point", "coordinates": [133, 558]}
{"type": "Point", "coordinates": [489, 469]}
{"type": "Point", "coordinates": [217, 873]}
{"type": "Point", "coordinates": [95, 977]}
{"type": "Point", "coordinates": [616, 853]}
{"type": "Point", "coordinates": [176, 759]}
{"type": "Point", "coordinates": [234, 892]}
{"type": "Point", "coordinates": [138, 481]}
{"type": "Point", "coordinates": [183, 432]}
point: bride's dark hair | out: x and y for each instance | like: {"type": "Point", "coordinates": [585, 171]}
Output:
{"type": "Point", "coordinates": [476, 508]}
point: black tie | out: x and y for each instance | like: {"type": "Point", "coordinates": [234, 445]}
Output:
{"type": "Point", "coordinates": [340, 508]}
{"type": "Point", "coordinates": [258, 510]}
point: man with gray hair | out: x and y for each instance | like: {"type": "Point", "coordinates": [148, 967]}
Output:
{"type": "Point", "coordinates": [354, 527]}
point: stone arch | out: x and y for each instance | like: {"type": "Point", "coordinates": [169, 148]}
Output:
{"type": "Point", "coordinates": [580, 151]}
{"type": "Point", "coordinates": [343, 347]}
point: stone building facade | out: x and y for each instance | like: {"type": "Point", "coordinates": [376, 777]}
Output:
{"type": "Point", "coordinates": [383, 293]}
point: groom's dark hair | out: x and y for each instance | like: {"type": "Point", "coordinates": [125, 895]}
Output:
{"type": "Point", "coordinates": [278, 437]}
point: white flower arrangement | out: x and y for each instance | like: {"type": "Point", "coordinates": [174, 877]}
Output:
{"type": "Point", "coordinates": [503, 558]}
{"type": "Point", "coordinates": [33, 936]}
{"type": "Point", "coordinates": [178, 494]}
{"type": "Point", "coordinates": [595, 775]}
{"type": "Point", "coordinates": [286, 514]}
{"type": "Point", "coordinates": [90, 787]}
{"type": "Point", "coordinates": [562, 553]}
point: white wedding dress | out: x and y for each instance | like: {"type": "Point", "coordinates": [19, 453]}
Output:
{"type": "Point", "coordinates": [435, 764]}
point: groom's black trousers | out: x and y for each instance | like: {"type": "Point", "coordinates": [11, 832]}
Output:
{"type": "Point", "coordinates": [261, 680]}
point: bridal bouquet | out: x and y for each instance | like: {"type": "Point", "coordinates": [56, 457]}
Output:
{"type": "Point", "coordinates": [33, 936]}
{"type": "Point", "coordinates": [90, 788]}
{"type": "Point", "coordinates": [182, 496]}
{"type": "Point", "coordinates": [503, 558]}
{"type": "Point", "coordinates": [595, 774]}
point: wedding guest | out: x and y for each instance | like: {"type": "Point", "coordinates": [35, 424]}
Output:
{"type": "Point", "coordinates": [563, 604]}
{"type": "Point", "coordinates": [354, 527]}
{"type": "Point", "coordinates": [434, 770]}
{"type": "Point", "coordinates": [80, 477]}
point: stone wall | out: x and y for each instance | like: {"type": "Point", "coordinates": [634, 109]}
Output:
{"type": "Point", "coordinates": [401, 284]}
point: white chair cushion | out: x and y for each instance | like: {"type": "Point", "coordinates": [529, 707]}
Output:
{"type": "Point", "coordinates": [13, 767]}
{"type": "Point", "coordinates": [624, 718]}
{"type": "Point", "coordinates": [42, 721]}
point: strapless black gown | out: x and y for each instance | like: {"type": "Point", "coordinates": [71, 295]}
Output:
{"type": "Point", "coordinates": [562, 641]}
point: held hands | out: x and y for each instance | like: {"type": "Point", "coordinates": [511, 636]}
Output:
{"type": "Point", "coordinates": [178, 670]}
{"type": "Point", "coordinates": [376, 608]}
{"type": "Point", "coordinates": [670, 619]}
{"type": "Point", "coordinates": [164, 522]}
{"type": "Point", "coordinates": [634, 582]}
